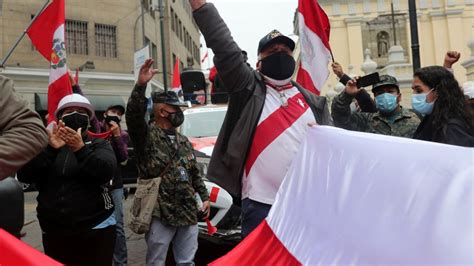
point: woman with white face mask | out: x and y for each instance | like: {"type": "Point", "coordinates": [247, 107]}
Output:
{"type": "Point", "coordinates": [438, 97]}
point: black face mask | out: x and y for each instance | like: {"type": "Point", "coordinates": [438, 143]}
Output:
{"type": "Point", "coordinates": [176, 118]}
{"type": "Point", "coordinates": [278, 66]}
{"type": "Point", "coordinates": [113, 118]}
{"type": "Point", "coordinates": [76, 120]}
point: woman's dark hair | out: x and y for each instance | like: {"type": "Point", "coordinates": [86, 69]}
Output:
{"type": "Point", "coordinates": [451, 102]}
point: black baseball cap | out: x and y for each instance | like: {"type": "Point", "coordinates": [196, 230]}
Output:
{"type": "Point", "coordinates": [168, 97]}
{"type": "Point", "coordinates": [386, 80]}
{"type": "Point", "coordinates": [275, 37]}
{"type": "Point", "coordinates": [120, 107]}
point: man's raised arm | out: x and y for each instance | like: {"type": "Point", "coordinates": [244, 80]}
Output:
{"type": "Point", "coordinates": [228, 59]}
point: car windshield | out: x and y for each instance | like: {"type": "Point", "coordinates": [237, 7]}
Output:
{"type": "Point", "coordinates": [203, 124]}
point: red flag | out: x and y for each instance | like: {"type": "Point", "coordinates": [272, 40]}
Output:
{"type": "Point", "coordinates": [16, 252]}
{"type": "Point", "coordinates": [176, 78]}
{"type": "Point", "coordinates": [47, 35]}
{"type": "Point", "coordinates": [314, 29]}
{"type": "Point", "coordinates": [176, 84]}
{"type": "Point", "coordinates": [205, 56]}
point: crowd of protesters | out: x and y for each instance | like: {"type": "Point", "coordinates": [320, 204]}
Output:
{"type": "Point", "coordinates": [74, 161]}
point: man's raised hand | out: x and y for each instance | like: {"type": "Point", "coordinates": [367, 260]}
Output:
{"type": "Point", "coordinates": [146, 73]}
{"type": "Point", "coordinates": [196, 4]}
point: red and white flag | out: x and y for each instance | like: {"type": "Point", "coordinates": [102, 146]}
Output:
{"type": "Point", "coordinates": [176, 84]}
{"type": "Point", "coordinates": [47, 35]}
{"type": "Point", "coordinates": [314, 29]}
{"type": "Point", "coordinates": [336, 207]}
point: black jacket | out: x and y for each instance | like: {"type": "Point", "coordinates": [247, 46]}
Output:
{"type": "Point", "coordinates": [72, 194]}
{"type": "Point", "coordinates": [247, 97]}
{"type": "Point", "coordinates": [455, 132]}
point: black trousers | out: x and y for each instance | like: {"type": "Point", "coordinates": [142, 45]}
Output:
{"type": "Point", "coordinates": [93, 247]}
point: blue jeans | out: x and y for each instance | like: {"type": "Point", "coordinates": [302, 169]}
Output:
{"type": "Point", "coordinates": [253, 213]}
{"type": "Point", "coordinates": [120, 251]}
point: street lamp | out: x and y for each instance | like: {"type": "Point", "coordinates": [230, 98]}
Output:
{"type": "Point", "coordinates": [415, 46]}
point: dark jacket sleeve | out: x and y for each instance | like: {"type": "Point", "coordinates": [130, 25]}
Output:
{"type": "Point", "coordinates": [365, 102]}
{"type": "Point", "coordinates": [344, 79]}
{"type": "Point", "coordinates": [22, 133]}
{"type": "Point", "coordinates": [135, 117]}
{"type": "Point", "coordinates": [38, 167]}
{"type": "Point", "coordinates": [457, 134]}
{"type": "Point", "coordinates": [119, 144]}
{"type": "Point", "coordinates": [344, 118]}
{"type": "Point", "coordinates": [97, 161]}
{"type": "Point", "coordinates": [233, 71]}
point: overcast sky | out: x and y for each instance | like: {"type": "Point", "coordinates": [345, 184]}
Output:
{"type": "Point", "coordinates": [250, 20]}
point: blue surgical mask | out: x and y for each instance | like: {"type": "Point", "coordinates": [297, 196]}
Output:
{"type": "Point", "coordinates": [386, 102]}
{"type": "Point", "coordinates": [418, 101]}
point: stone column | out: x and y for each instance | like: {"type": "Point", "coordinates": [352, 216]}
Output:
{"type": "Point", "coordinates": [469, 63]}
{"type": "Point", "coordinates": [354, 36]}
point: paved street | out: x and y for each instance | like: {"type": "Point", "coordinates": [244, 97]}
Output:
{"type": "Point", "coordinates": [135, 243]}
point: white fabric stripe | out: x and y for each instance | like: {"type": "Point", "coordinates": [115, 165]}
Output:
{"type": "Point", "coordinates": [272, 164]}
{"type": "Point", "coordinates": [55, 74]}
{"type": "Point", "coordinates": [315, 57]}
{"type": "Point", "coordinates": [347, 201]}
{"type": "Point", "coordinates": [273, 103]}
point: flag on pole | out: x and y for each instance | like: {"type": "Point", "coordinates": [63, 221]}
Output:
{"type": "Point", "coordinates": [47, 35]}
{"type": "Point", "coordinates": [205, 56]}
{"type": "Point", "coordinates": [176, 84]}
{"type": "Point", "coordinates": [76, 77]}
{"type": "Point", "coordinates": [314, 31]}
{"type": "Point", "coordinates": [346, 201]}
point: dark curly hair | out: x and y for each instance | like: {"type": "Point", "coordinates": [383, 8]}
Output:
{"type": "Point", "coordinates": [451, 102]}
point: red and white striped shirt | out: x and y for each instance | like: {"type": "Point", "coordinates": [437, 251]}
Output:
{"type": "Point", "coordinates": [277, 138]}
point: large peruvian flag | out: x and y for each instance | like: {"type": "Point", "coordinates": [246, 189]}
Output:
{"type": "Point", "coordinates": [314, 31]}
{"type": "Point", "coordinates": [347, 201]}
{"type": "Point", "coordinates": [15, 252]}
{"type": "Point", "coordinates": [47, 35]}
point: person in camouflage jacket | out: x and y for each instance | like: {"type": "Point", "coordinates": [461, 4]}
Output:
{"type": "Point", "coordinates": [391, 119]}
{"type": "Point", "coordinates": [162, 151]}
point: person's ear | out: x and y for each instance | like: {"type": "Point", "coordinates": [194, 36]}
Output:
{"type": "Point", "coordinates": [259, 64]}
{"type": "Point", "coordinates": [399, 98]}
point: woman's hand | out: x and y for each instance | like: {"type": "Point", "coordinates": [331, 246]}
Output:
{"type": "Point", "coordinates": [54, 140]}
{"type": "Point", "coordinates": [72, 138]}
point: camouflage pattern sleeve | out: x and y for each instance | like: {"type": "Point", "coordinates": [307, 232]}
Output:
{"type": "Point", "coordinates": [135, 118]}
{"type": "Point", "coordinates": [198, 180]}
{"type": "Point", "coordinates": [344, 118]}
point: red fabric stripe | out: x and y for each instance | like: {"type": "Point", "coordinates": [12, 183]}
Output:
{"type": "Point", "coordinates": [274, 126]}
{"type": "Point", "coordinates": [104, 135]}
{"type": "Point", "coordinates": [213, 194]}
{"type": "Point", "coordinates": [176, 77]}
{"type": "Point", "coordinates": [304, 79]}
{"type": "Point", "coordinates": [261, 247]}
{"type": "Point", "coordinates": [42, 30]}
{"type": "Point", "coordinates": [315, 19]}
{"type": "Point", "coordinates": [56, 91]}
{"type": "Point", "coordinates": [15, 252]}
